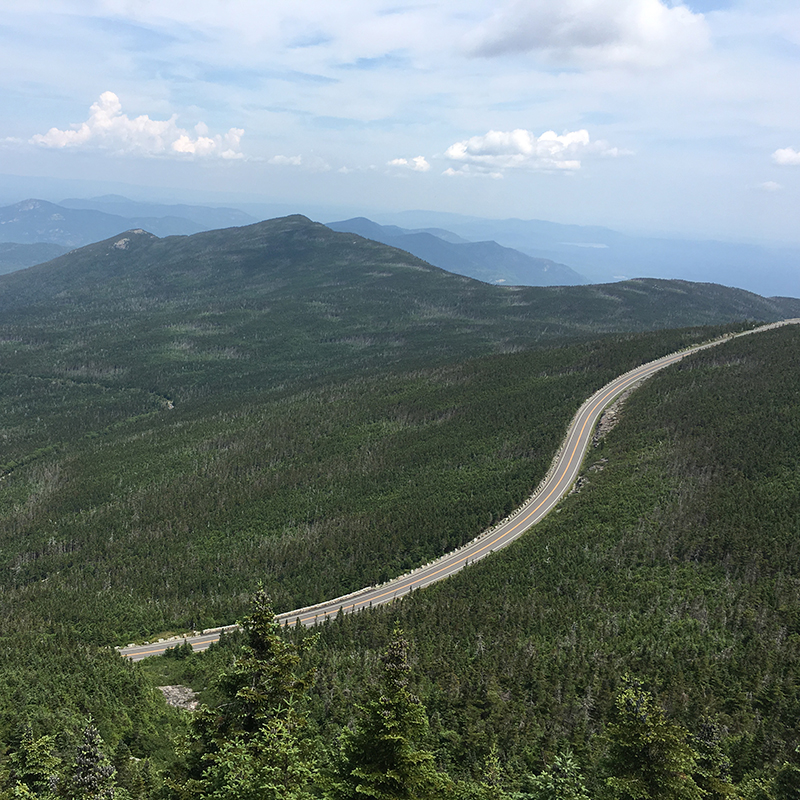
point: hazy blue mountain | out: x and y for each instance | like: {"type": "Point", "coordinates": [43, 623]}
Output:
{"type": "Point", "coordinates": [486, 261]}
{"type": "Point", "coordinates": [15, 256]}
{"type": "Point", "coordinates": [603, 255]}
{"type": "Point", "coordinates": [39, 221]}
{"type": "Point", "coordinates": [205, 216]}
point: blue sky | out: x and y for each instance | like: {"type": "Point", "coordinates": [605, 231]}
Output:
{"type": "Point", "coordinates": [642, 115]}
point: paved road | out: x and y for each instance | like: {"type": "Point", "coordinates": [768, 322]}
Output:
{"type": "Point", "coordinates": [557, 483]}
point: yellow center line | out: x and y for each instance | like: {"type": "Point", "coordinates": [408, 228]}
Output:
{"type": "Point", "coordinates": [649, 369]}
{"type": "Point", "coordinates": [641, 372]}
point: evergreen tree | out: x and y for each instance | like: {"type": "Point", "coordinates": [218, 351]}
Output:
{"type": "Point", "coordinates": [562, 780]}
{"type": "Point", "coordinates": [712, 773]}
{"type": "Point", "coordinates": [92, 775]}
{"type": "Point", "coordinates": [649, 757]}
{"type": "Point", "coordinates": [31, 768]}
{"type": "Point", "coordinates": [249, 744]}
{"type": "Point", "coordinates": [384, 756]}
{"type": "Point", "coordinates": [787, 782]}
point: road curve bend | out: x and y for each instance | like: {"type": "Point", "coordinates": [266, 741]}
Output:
{"type": "Point", "coordinates": [560, 478]}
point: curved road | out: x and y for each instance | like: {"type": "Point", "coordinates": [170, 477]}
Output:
{"type": "Point", "coordinates": [560, 478]}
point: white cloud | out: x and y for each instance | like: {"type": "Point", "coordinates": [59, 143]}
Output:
{"type": "Point", "coordinates": [287, 161]}
{"type": "Point", "coordinates": [770, 186]}
{"type": "Point", "coordinates": [312, 164]}
{"type": "Point", "coordinates": [417, 164]}
{"type": "Point", "coordinates": [787, 157]}
{"type": "Point", "coordinates": [466, 172]}
{"type": "Point", "coordinates": [646, 33]}
{"type": "Point", "coordinates": [108, 128]}
{"type": "Point", "coordinates": [520, 149]}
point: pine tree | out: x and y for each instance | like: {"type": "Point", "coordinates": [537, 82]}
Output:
{"type": "Point", "coordinates": [384, 756]}
{"type": "Point", "coordinates": [93, 774]}
{"type": "Point", "coordinates": [712, 773]}
{"type": "Point", "coordinates": [649, 757]}
{"type": "Point", "coordinates": [562, 780]}
{"type": "Point", "coordinates": [249, 744]}
{"type": "Point", "coordinates": [31, 767]}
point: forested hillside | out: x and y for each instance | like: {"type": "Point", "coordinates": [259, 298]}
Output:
{"type": "Point", "coordinates": [646, 635]}
{"type": "Point", "coordinates": [186, 417]}
{"type": "Point", "coordinates": [677, 562]}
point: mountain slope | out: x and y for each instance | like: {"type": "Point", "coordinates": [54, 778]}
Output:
{"type": "Point", "coordinates": [485, 261]}
{"type": "Point", "coordinates": [273, 392]}
{"type": "Point", "coordinates": [676, 562]}
{"type": "Point", "coordinates": [186, 416]}
{"type": "Point", "coordinates": [291, 297]}
{"type": "Point", "coordinates": [15, 256]}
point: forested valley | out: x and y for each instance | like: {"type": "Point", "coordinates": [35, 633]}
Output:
{"type": "Point", "coordinates": [182, 429]}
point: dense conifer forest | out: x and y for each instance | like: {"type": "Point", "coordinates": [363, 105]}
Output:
{"type": "Point", "coordinates": [187, 419]}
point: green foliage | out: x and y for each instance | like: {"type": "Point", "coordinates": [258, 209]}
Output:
{"type": "Point", "coordinates": [384, 757]}
{"type": "Point", "coordinates": [248, 745]}
{"type": "Point", "coordinates": [92, 775]}
{"type": "Point", "coordinates": [562, 780]}
{"type": "Point", "coordinates": [184, 414]}
{"type": "Point", "coordinates": [713, 767]}
{"type": "Point", "coordinates": [649, 757]}
{"type": "Point", "coordinates": [678, 559]}
{"type": "Point", "coordinates": [32, 765]}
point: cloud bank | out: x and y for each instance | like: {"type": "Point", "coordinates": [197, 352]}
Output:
{"type": "Point", "coordinates": [498, 151]}
{"type": "Point", "coordinates": [108, 128]}
{"type": "Point", "coordinates": [601, 32]}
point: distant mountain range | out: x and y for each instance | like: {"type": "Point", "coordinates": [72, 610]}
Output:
{"type": "Point", "coordinates": [486, 261]}
{"type": "Point", "coordinates": [75, 223]}
{"type": "Point", "coordinates": [510, 251]}
{"type": "Point", "coordinates": [336, 278]}
{"type": "Point", "coordinates": [39, 221]}
{"type": "Point", "coordinates": [206, 217]}
{"type": "Point", "coordinates": [603, 255]}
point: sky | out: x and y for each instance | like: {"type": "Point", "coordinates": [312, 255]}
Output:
{"type": "Point", "coordinates": [647, 116]}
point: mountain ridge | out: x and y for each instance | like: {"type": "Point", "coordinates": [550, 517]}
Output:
{"type": "Point", "coordinates": [487, 261]}
{"type": "Point", "coordinates": [31, 221]}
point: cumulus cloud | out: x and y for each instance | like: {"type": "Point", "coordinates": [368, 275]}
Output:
{"type": "Point", "coordinates": [770, 186]}
{"type": "Point", "coordinates": [605, 32]}
{"type": "Point", "coordinates": [417, 164]}
{"type": "Point", "coordinates": [787, 157]}
{"type": "Point", "coordinates": [108, 128]}
{"type": "Point", "coordinates": [497, 151]}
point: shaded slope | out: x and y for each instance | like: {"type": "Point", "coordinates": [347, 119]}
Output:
{"type": "Point", "coordinates": [15, 256]}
